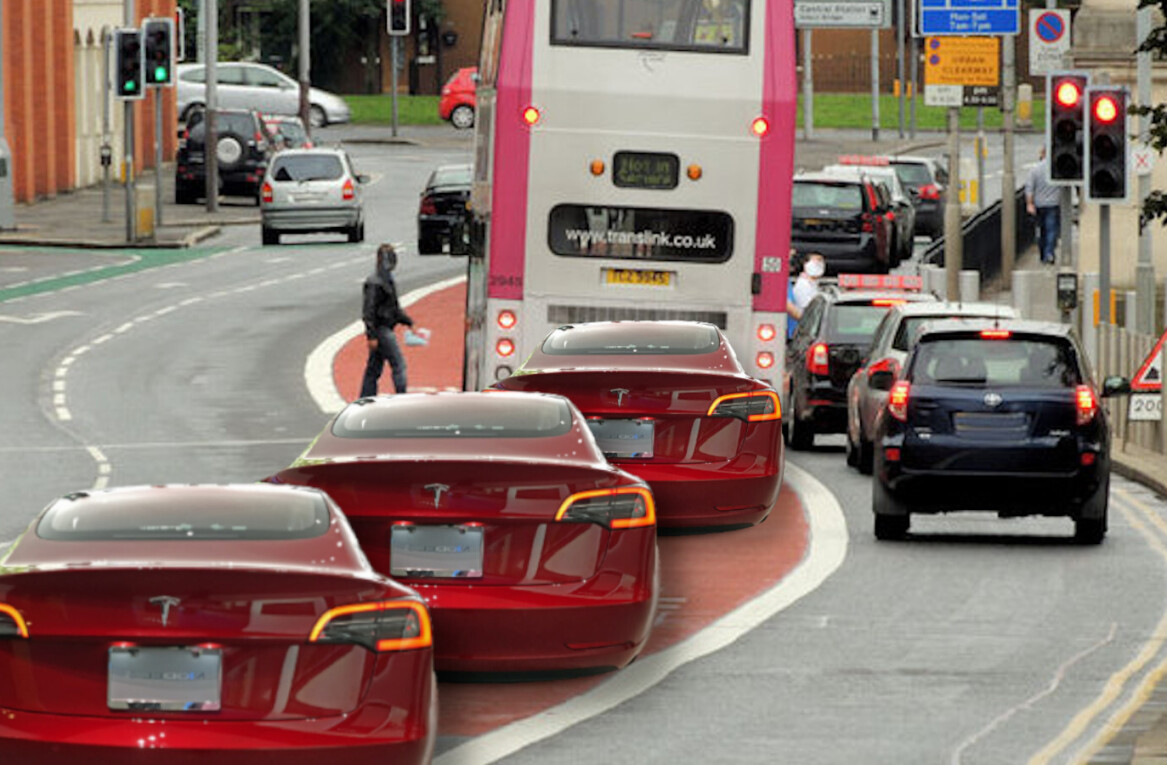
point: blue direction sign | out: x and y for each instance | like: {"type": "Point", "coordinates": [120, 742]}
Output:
{"type": "Point", "coordinates": [970, 17]}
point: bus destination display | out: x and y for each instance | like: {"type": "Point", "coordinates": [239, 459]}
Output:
{"type": "Point", "coordinates": [645, 170]}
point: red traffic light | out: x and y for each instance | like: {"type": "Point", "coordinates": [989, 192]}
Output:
{"type": "Point", "coordinates": [1068, 93]}
{"type": "Point", "coordinates": [1106, 109]}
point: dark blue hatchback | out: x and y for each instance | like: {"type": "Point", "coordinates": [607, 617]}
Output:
{"type": "Point", "coordinates": [994, 415]}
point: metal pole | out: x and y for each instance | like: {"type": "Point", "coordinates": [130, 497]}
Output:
{"type": "Point", "coordinates": [1008, 180]}
{"type": "Point", "coordinates": [914, 66]}
{"type": "Point", "coordinates": [1104, 263]}
{"type": "Point", "coordinates": [393, 83]}
{"type": "Point", "coordinates": [157, 157]}
{"type": "Point", "coordinates": [875, 85]}
{"type": "Point", "coordinates": [807, 86]}
{"type": "Point", "coordinates": [953, 239]}
{"type": "Point", "coordinates": [305, 65]}
{"type": "Point", "coordinates": [128, 162]}
{"type": "Point", "coordinates": [106, 150]}
{"type": "Point", "coordinates": [1065, 253]}
{"type": "Point", "coordinates": [900, 61]}
{"type": "Point", "coordinates": [211, 146]}
{"type": "Point", "coordinates": [7, 198]}
{"type": "Point", "coordinates": [980, 144]}
{"type": "Point", "coordinates": [201, 33]}
{"type": "Point", "coordinates": [1145, 267]}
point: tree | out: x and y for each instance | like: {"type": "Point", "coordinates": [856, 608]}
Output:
{"type": "Point", "coordinates": [1155, 205]}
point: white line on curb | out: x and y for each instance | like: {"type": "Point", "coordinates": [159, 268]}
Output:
{"type": "Point", "coordinates": [318, 368]}
{"type": "Point", "coordinates": [828, 548]}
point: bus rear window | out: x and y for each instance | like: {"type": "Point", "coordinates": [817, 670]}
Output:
{"type": "Point", "coordinates": [528, 416]}
{"type": "Point", "coordinates": [689, 25]}
{"type": "Point", "coordinates": [640, 233]}
{"type": "Point", "coordinates": [633, 338]}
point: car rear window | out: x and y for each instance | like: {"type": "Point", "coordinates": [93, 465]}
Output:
{"type": "Point", "coordinates": [489, 416]}
{"type": "Point", "coordinates": [452, 176]}
{"type": "Point", "coordinates": [843, 196]}
{"type": "Point", "coordinates": [186, 514]}
{"type": "Point", "coordinates": [911, 324]}
{"type": "Point", "coordinates": [1014, 362]}
{"type": "Point", "coordinates": [912, 174]}
{"type": "Point", "coordinates": [233, 122]}
{"type": "Point", "coordinates": [307, 167]}
{"type": "Point", "coordinates": [854, 322]}
{"type": "Point", "coordinates": [633, 339]}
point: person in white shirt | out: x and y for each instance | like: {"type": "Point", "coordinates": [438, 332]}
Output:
{"type": "Point", "coordinates": [804, 289]}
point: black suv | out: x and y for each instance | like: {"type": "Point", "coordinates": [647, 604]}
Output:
{"type": "Point", "coordinates": [443, 207]}
{"type": "Point", "coordinates": [845, 220]}
{"type": "Point", "coordinates": [994, 415]}
{"type": "Point", "coordinates": [244, 147]}
{"type": "Point", "coordinates": [827, 347]}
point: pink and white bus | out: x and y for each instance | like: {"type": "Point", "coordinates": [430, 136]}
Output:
{"type": "Point", "coordinates": [633, 160]}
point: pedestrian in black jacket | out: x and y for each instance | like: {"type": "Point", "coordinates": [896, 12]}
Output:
{"type": "Point", "coordinates": [381, 314]}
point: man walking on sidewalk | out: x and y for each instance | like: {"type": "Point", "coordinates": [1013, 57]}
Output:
{"type": "Point", "coordinates": [381, 313]}
{"type": "Point", "coordinates": [1043, 200]}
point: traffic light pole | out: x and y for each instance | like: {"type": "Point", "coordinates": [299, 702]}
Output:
{"type": "Point", "coordinates": [1103, 265]}
{"type": "Point", "coordinates": [211, 123]}
{"type": "Point", "coordinates": [953, 238]}
{"type": "Point", "coordinates": [1145, 266]}
{"type": "Point", "coordinates": [157, 157]}
{"type": "Point", "coordinates": [128, 160]}
{"type": "Point", "coordinates": [393, 80]}
{"type": "Point", "coordinates": [1008, 177]}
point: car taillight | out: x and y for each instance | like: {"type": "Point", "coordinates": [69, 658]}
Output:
{"type": "Point", "coordinates": [887, 302]}
{"type": "Point", "coordinates": [930, 192]}
{"type": "Point", "coordinates": [12, 624]}
{"type": "Point", "coordinates": [891, 215]}
{"type": "Point", "coordinates": [996, 334]}
{"type": "Point", "coordinates": [897, 400]}
{"type": "Point", "coordinates": [757, 406]}
{"type": "Point", "coordinates": [427, 206]}
{"type": "Point", "coordinates": [628, 507]}
{"type": "Point", "coordinates": [348, 191]}
{"type": "Point", "coordinates": [886, 365]}
{"type": "Point", "coordinates": [818, 359]}
{"type": "Point", "coordinates": [868, 222]}
{"type": "Point", "coordinates": [259, 137]}
{"type": "Point", "coordinates": [267, 192]}
{"type": "Point", "coordinates": [506, 319]}
{"type": "Point", "coordinates": [766, 332]}
{"type": "Point", "coordinates": [392, 625]}
{"type": "Point", "coordinates": [504, 347]}
{"type": "Point", "coordinates": [1087, 404]}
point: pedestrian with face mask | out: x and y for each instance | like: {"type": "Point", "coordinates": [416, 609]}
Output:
{"type": "Point", "coordinates": [381, 314]}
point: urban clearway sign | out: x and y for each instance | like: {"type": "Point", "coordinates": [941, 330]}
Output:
{"type": "Point", "coordinates": [864, 14]}
{"type": "Point", "coordinates": [1049, 40]}
{"type": "Point", "coordinates": [962, 71]}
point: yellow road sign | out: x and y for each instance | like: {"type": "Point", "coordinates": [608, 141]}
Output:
{"type": "Point", "coordinates": [962, 61]}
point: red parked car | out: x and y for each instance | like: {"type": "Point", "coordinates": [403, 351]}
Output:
{"type": "Point", "coordinates": [532, 552]}
{"type": "Point", "coordinates": [458, 103]}
{"type": "Point", "coordinates": [194, 624]}
{"type": "Point", "coordinates": [669, 402]}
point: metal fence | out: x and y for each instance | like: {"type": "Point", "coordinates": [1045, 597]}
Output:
{"type": "Point", "coordinates": [982, 239]}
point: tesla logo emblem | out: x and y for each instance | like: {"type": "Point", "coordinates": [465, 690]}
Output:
{"type": "Point", "coordinates": [437, 489]}
{"type": "Point", "coordinates": [992, 399]}
{"type": "Point", "coordinates": [620, 394]}
{"type": "Point", "coordinates": [165, 601]}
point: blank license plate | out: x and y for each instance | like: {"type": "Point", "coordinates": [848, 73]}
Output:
{"type": "Point", "coordinates": [438, 552]}
{"type": "Point", "coordinates": [623, 438]}
{"type": "Point", "coordinates": [633, 276]}
{"type": "Point", "coordinates": [165, 679]}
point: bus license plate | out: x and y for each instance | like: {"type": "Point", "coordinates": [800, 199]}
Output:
{"type": "Point", "coordinates": [436, 552]}
{"type": "Point", "coordinates": [635, 276]}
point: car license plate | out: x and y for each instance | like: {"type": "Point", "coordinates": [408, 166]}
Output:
{"type": "Point", "coordinates": [436, 552]}
{"type": "Point", "coordinates": [635, 276]}
{"type": "Point", "coordinates": [623, 438]}
{"type": "Point", "coordinates": [165, 679]}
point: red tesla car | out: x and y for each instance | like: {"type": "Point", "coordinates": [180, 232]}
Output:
{"type": "Point", "coordinates": [532, 552]}
{"type": "Point", "coordinates": [669, 402]}
{"type": "Point", "coordinates": [195, 624]}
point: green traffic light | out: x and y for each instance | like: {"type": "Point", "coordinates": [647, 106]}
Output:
{"type": "Point", "coordinates": [160, 74]}
{"type": "Point", "coordinates": [131, 86]}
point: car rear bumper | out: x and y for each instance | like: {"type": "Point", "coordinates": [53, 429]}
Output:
{"type": "Point", "coordinates": [940, 491]}
{"type": "Point", "coordinates": [929, 219]}
{"type": "Point", "coordinates": [825, 404]}
{"type": "Point", "coordinates": [844, 257]}
{"type": "Point", "coordinates": [311, 219]}
{"type": "Point", "coordinates": [711, 493]}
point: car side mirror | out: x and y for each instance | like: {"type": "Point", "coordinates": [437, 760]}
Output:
{"type": "Point", "coordinates": [362, 178]}
{"type": "Point", "coordinates": [881, 379]}
{"type": "Point", "coordinates": [1115, 386]}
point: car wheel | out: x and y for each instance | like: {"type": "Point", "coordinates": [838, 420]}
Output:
{"type": "Point", "coordinates": [357, 233]}
{"type": "Point", "coordinates": [188, 111]}
{"type": "Point", "coordinates": [229, 151]}
{"type": "Point", "coordinates": [317, 117]}
{"type": "Point", "coordinates": [891, 519]}
{"type": "Point", "coordinates": [866, 456]}
{"type": "Point", "coordinates": [270, 236]}
{"type": "Point", "coordinates": [462, 117]}
{"type": "Point", "coordinates": [1090, 525]}
{"type": "Point", "coordinates": [801, 433]}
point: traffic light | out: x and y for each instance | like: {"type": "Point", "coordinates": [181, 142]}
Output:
{"type": "Point", "coordinates": [1106, 150]}
{"type": "Point", "coordinates": [128, 82]}
{"type": "Point", "coordinates": [1064, 126]}
{"type": "Point", "coordinates": [399, 17]}
{"type": "Point", "coordinates": [159, 44]}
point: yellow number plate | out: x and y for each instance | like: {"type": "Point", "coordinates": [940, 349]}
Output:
{"type": "Point", "coordinates": [631, 276]}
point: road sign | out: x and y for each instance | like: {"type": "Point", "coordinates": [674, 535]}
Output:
{"type": "Point", "coordinates": [1049, 40]}
{"type": "Point", "coordinates": [866, 14]}
{"type": "Point", "coordinates": [1143, 158]}
{"type": "Point", "coordinates": [962, 61]}
{"type": "Point", "coordinates": [1145, 407]}
{"type": "Point", "coordinates": [1149, 378]}
{"type": "Point", "coordinates": [970, 17]}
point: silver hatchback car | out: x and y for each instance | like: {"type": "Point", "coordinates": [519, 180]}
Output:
{"type": "Point", "coordinates": [309, 190]}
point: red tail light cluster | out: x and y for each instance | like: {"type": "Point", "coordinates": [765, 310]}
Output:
{"type": "Point", "coordinates": [930, 192]}
{"type": "Point", "coordinates": [392, 625]}
{"type": "Point", "coordinates": [756, 406]}
{"type": "Point", "coordinates": [507, 320]}
{"type": "Point", "coordinates": [897, 400]}
{"type": "Point", "coordinates": [12, 624]}
{"type": "Point", "coordinates": [349, 190]}
{"type": "Point", "coordinates": [427, 206]}
{"type": "Point", "coordinates": [628, 507]}
{"type": "Point", "coordinates": [267, 192]}
{"type": "Point", "coordinates": [504, 347]}
{"type": "Point", "coordinates": [868, 224]}
{"type": "Point", "coordinates": [818, 359]}
{"type": "Point", "coordinates": [1087, 404]}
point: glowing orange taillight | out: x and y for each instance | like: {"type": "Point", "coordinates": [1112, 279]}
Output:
{"type": "Point", "coordinates": [267, 192]}
{"type": "Point", "coordinates": [818, 359]}
{"type": "Point", "coordinates": [531, 115]}
{"type": "Point", "coordinates": [996, 334]}
{"type": "Point", "coordinates": [348, 191]}
{"type": "Point", "coordinates": [1086, 402]}
{"type": "Point", "coordinates": [506, 319]}
{"type": "Point", "coordinates": [897, 400]}
{"type": "Point", "coordinates": [755, 406]}
{"type": "Point", "coordinates": [391, 625]}
{"type": "Point", "coordinates": [760, 127]}
{"type": "Point", "coordinates": [504, 347]}
{"type": "Point", "coordinates": [766, 332]}
{"type": "Point", "coordinates": [887, 302]}
{"type": "Point", "coordinates": [764, 360]}
{"type": "Point", "coordinates": [627, 507]}
{"type": "Point", "coordinates": [14, 621]}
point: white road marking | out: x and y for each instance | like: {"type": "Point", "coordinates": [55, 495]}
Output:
{"type": "Point", "coordinates": [63, 414]}
{"type": "Point", "coordinates": [170, 285]}
{"type": "Point", "coordinates": [828, 548]}
{"type": "Point", "coordinates": [155, 445]}
{"type": "Point", "coordinates": [38, 318]}
{"type": "Point", "coordinates": [318, 368]}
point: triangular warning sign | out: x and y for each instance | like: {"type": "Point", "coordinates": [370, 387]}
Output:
{"type": "Point", "coordinates": [1149, 378]}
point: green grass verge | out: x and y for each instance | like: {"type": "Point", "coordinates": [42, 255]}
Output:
{"type": "Point", "coordinates": [831, 110]}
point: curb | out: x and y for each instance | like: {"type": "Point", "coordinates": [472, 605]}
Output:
{"type": "Point", "coordinates": [1136, 474]}
{"type": "Point", "coordinates": [91, 244]}
{"type": "Point", "coordinates": [385, 141]}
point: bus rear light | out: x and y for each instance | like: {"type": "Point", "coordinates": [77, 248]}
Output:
{"type": "Point", "coordinates": [531, 115]}
{"type": "Point", "coordinates": [12, 624]}
{"type": "Point", "coordinates": [502, 372]}
{"type": "Point", "coordinates": [1086, 403]}
{"type": "Point", "coordinates": [267, 192]}
{"type": "Point", "coordinates": [764, 360]}
{"type": "Point", "coordinates": [504, 347]}
{"type": "Point", "coordinates": [392, 625]}
{"type": "Point", "coordinates": [758, 406]}
{"type": "Point", "coordinates": [507, 320]}
{"type": "Point", "coordinates": [818, 359]}
{"type": "Point", "coordinates": [760, 127]}
{"type": "Point", "coordinates": [766, 332]}
{"type": "Point", "coordinates": [694, 172]}
{"type": "Point", "coordinates": [628, 507]}
{"type": "Point", "coordinates": [597, 167]}
{"type": "Point", "coordinates": [897, 400]}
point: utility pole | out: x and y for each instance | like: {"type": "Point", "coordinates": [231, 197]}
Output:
{"type": "Point", "coordinates": [211, 123]}
{"type": "Point", "coordinates": [393, 81]}
{"type": "Point", "coordinates": [1065, 253]}
{"type": "Point", "coordinates": [201, 33]}
{"type": "Point", "coordinates": [900, 61]}
{"type": "Point", "coordinates": [1145, 266]}
{"type": "Point", "coordinates": [305, 64]}
{"type": "Point", "coordinates": [914, 67]}
{"type": "Point", "coordinates": [980, 144]}
{"type": "Point", "coordinates": [875, 85]}
{"type": "Point", "coordinates": [128, 163]}
{"type": "Point", "coordinates": [7, 198]}
{"type": "Point", "coordinates": [953, 238]}
{"type": "Point", "coordinates": [106, 130]}
{"type": "Point", "coordinates": [1008, 180]}
{"type": "Point", "coordinates": [807, 85]}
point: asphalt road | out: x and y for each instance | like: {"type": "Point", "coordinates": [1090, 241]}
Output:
{"type": "Point", "coordinates": [975, 641]}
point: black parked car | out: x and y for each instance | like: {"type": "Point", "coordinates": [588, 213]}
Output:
{"type": "Point", "coordinates": [827, 347]}
{"type": "Point", "coordinates": [845, 220]}
{"type": "Point", "coordinates": [244, 147]}
{"type": "Point", "coordinates": [443, 207]}
{"type": "Point", "coordinates": [993, 415]}
{"type": "Point", "coordinates": [925, 180]}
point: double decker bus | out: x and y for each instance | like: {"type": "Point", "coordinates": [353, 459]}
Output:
{"type": "Point", "coordinates": [633, 160]}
